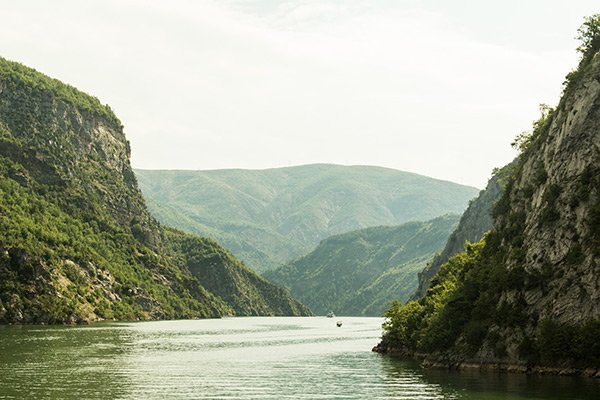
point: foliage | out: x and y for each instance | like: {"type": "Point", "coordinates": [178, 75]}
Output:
{"type": "Point", "coordinates": [589, 36]}
{"type": "Point", "coordinates": [32, 86]}
{"type": "Point", "coordinates": [571, 344]}
{"type": "Point", "coordinates": [357, 272]}
{"type": "Point", "coordinates": [462, 302]}
{"type": "Point", "coordinates": [525, 139]}
{"type": "Point", "coordinates": [479, 302]}
{"type": "Point", "coordinates": [455, 296]}
{"type": "Point", "coordinates": [269, 217]}
{"type": "Point", "coordinates": [76, 240]}
{"type": "Point", "coordinates": [475, 221]}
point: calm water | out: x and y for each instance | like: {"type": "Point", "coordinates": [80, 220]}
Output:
{"type": "Point", "coordinates": [241, 358]}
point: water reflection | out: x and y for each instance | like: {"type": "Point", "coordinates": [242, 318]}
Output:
{"type": "Point", "coordinates": [241, 358]}
{"type": "Point", "coordinates": [491, 385]}
{"type": "Point", "coordinates": [62, 362]}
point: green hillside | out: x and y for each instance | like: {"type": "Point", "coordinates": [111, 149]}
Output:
{"type": "Point", "coordinates": [269, 217]}
{"type": "Point", "coordinates": [76, 241]}
{"type": "Point", "coordinates": [527, 296]}
{"type": "Point", "coordinates": [358, 273]}
{"type": "Point", "coordinates": [474, 223]}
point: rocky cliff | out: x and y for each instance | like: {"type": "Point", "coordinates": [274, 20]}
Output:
{"type": "Point", "coordinates": [76, 241]}
{"type": "Point", "coordinates": [475, 221]}
{"type": "Point", "coordinates": [528, 295]}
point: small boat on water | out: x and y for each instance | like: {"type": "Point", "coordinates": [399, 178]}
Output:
{"type": "Point", "coordinates": [330, 314]}
{"type": "Point", "coordinates": [339, 323]}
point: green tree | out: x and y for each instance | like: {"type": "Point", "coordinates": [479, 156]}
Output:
{"type": "Point", "coordinates": [589, 36]}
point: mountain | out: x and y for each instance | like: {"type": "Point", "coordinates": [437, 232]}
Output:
{"type": "Point", "coordinates": [357, 273]}
{"type": "Point", "coordinates": [76, 240]}
{"type": "Point", "coordinates": [527, 296]}
{"type": "Point", "coordinates": [270, 217]}
{"type": "Point", "coordinates": [474, 223]}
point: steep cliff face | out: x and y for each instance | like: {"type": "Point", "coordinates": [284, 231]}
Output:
{"type": "Point", "coordinates": [554, 203]}
{"type": "Point", "coordinates": [527, 295]}
{"type": "Point", "coordinates": [475, 221]}
{"type": "Point", "coordinates": [76, 241]}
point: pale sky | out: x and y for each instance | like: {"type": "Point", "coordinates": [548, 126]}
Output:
{"type": "Point", "coordinates": [439, 88]}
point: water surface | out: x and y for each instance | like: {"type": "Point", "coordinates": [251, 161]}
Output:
{"type": "Point", "coordinates": [241, 358]}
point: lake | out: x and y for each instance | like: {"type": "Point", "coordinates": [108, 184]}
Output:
{"type": "Point", "coordinates": [241, 358]}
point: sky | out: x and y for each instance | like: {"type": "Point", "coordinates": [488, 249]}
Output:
{"type": "Point", "coordinates": [438, 88]}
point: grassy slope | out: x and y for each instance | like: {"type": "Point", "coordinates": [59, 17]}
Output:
{"type": "Point", "coordinates": [268, 217]}
{"type": "Point", "coordinates": [358, 273]}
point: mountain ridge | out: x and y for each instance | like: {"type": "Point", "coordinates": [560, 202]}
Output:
{"type": "Point", "coordinates": [356, 273]}
{"type": "Point", "coordinates": [282, 213]}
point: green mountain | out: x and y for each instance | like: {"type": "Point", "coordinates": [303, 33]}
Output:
{"type": "Point", "coordinates": [357, 273]}
{"type": "Point", "coordinates": [474, 223]}
{"type": "Point", "coordinates": [270, 217]}
{"type": "Point", "coordinates": [76, 241]}
{"type": "Point", "coordinates": [527, 296]}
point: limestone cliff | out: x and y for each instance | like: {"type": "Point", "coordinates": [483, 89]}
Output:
{"type": "Point", "coordinates": [528, 295]}
{"type": "Point", "coordinates": [76, 241]}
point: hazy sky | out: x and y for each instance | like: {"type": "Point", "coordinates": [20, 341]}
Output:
{"type": "Point", "coordinates": [434, 87]}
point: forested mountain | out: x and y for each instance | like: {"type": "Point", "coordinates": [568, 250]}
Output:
{"type": "Point", "coordinates": [270, 217]}
{"type": "Point", "coordinates": [527, 296]}
{"type": "Point", "coordinates": [475, 221]}
{"type": "Point", "coordinates": [359, 272]}
{"type": "Point", "coordinates": [76, 241]}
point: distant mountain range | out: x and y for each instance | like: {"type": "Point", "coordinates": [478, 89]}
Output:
{"type": "Point", "coordinates": [270, 217]}
{"type": "Point", "coordinates": [360, 272]}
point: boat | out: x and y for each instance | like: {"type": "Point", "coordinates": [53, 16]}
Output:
{"type": "Point", "coordinates": [339, 323]}
{"type": "Point", "coordinates": [330, 314]}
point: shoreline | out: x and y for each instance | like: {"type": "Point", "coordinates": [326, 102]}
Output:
{"type": "Point", "coordinates": [457, 364]}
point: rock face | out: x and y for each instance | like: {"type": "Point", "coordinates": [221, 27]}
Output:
{"type": "Point", "coordinates": [475, 221]}
{"type": "Point", "coordinates": [528, 295]}
{"type": "Point", "coordinates": [357, 273]}
{"type": "Point", "coordinates": [556, 197]}
{"type": "Point", "coordinates": [76, 241]}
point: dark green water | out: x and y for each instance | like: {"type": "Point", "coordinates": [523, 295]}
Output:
{"type": "Point", "coordinates": [241, 358]}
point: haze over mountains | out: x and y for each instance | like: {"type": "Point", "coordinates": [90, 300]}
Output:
{"type": "Point", "coordinates": [360, 272]}
{"type": "Point", "coordinates": [270, 217]}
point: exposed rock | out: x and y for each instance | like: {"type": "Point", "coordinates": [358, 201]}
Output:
{"type": "Point", "coordinates": [527, 298]}
{"type": "Point", "coordinates": [475, 221]}
{"type": "Point", "coordinates": [77, 243]}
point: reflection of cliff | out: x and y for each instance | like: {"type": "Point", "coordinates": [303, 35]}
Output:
{"type": "Point", "coordinates": [83, 363]}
